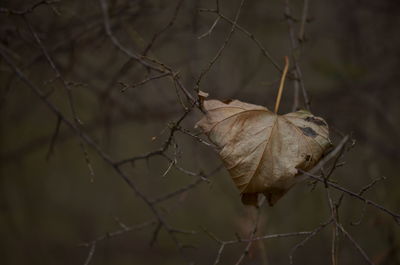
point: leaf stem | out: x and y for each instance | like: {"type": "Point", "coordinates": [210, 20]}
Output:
{"type": "Point", "coordinates": [282, 83]}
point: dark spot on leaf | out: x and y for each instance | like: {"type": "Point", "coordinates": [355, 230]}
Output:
{"type": "Point", "coordinates": [316, 121]}
{"type": "Point", "coordinates": [308, 158]}
{"type": "Point", "coordinates": [307, 131]}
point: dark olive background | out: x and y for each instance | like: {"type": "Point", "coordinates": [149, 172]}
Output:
{"type": "Point", "coordinates": [350, 65]}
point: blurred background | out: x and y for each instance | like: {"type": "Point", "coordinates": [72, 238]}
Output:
{"type": "Point", "coordinates": [55, 197]}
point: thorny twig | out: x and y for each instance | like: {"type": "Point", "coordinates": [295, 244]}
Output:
{"type": "Point", "coordinates": [160, 68]}
{"type": "Point", "coordinates": [223, 244]}
{"type": "Point", "coordinates": [67, 87]}
{"type": "Point", "coordinates": [89, 141]}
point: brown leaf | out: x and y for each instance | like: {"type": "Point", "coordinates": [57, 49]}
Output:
{"type": "Point", "coordinates": [262, 150]}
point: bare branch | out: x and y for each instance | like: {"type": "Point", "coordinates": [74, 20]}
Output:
{"type": "Point", "coordinates": [310, 235]}
{"type": "Point", "coordinates": [107, 27]}
{"type": "Point", "coordinates": [91, 143]}
{"type": "Point", "coordinates": [164, 29]}
{"type": "Point", "coordinates": [144, 81]}
{"type": "Point", "coordinates": [354, 195]}
{"type": "Point", "coordinates": [124, 229]}
{"type": "Point", "coordinates": [220, 50]}
{"type": "Point", "coordinates": [162, 67]}
{"type": "Point", "coordinates": [263, 50]}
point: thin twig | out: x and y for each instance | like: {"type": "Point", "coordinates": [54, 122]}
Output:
{"type": "Point", "coordinates": [370, 185]}
{"type": "Point", "coordinates": [173, 128]}
{"type": "Point", "coordinates": [250, 35]}
{"type": "Point", "coordinates": [310, 235]}
{"type": "Point", "coordinates": [90, 254]}
{"type": "Point", "coordinates": [334, 208]}
{"type": "Point", "coordinates": [249, 240]}
{"type": "Point", "coordinates": [155, 234]}
{"type": "Point", "coordinates": [220, 50]}
{"type": "Point", "coordinates": [164, 29]}
{"type": "Point", "coordinates": [298, 76]}
{"type": "Point", "coordinates": [144, 81]}
{"type": "Point", "coordinates": [210, 30]}
{"type": "Point", "coordinates": [115, 41]}
{"type": "Point", "coordinates": [354, 195]}
{"type": "Point", "coordinates": [29, 9]}
{"type": "Point", "coordinates": [356, 245]}
{"type": "Point", "coordinates": [219, 254]}
{"type": "Point", "coordinates": [196, 137]}
{"type": "Point", "coordinates": [163, 68]}
{"type": "Point", "coordinates": [165, 197]}
{"type": "Point", "coordinates": [124, 229]}
{"type": "Point", "coordinates": [303, 20]}
{"type": "Point", "coordinates": [54, 138]}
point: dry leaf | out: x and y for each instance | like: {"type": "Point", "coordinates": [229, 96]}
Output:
{"type": "Point", "coordinates": [262, 150]}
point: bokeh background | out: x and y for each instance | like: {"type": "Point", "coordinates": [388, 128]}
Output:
{"type": "Point", "coordinates": [51, 204]}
